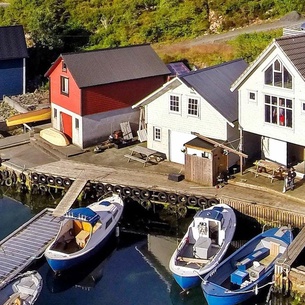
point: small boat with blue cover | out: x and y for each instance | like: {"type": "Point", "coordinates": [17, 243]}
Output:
{"type": "Point", "coordinates": [248, 269]}
{"type": "Point", "coordinates": [83, 232]}
{"type": "Point", "coordinates": [203, 245]}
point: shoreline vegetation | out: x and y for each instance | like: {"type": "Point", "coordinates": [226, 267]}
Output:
{"type": "Point", "coordinates": [172, 27]}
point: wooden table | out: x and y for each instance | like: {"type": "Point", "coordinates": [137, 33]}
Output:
{"type": "Point", "coordinates": [269, 169]}
{"type": "Point", "coordinates": [141, 154]}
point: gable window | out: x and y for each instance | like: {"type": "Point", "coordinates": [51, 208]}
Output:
{"type": "Point", "coordinates": [277, 75]}
{"type": "Point", "coordinates": [278, 111]}
{"type": "Point", "coordinates": [64, 67]}
{"type": "Point", "coordinates": [252, 96]}
{"type": "Point", "coordinates": [157, 134]}
{"type": "Point", "coordinates": [303, 107]}
{"type": "Point", "coordinates": [193, 105]}
{"type": "Point", "coordinates": [64, 85]}
{"type": "Point", "coordinates": [174, 103]}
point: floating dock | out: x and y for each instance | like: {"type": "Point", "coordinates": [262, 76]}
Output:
{"type": "Point", "coordinates": [19, 249]}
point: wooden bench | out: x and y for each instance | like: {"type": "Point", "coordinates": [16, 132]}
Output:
{"type": "Point", "coordinates": [190, 260]}
{"type": "Point", "coordinates": [130, 157]}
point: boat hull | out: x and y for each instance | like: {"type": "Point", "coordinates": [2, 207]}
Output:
{"type": "Point", "coordinates": [187, 282]}
{"type": "Point", "coordinates": [62, 264]}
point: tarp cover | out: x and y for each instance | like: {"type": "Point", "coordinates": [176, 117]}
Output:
{"type": "Point", "coordinates": [83, 214]}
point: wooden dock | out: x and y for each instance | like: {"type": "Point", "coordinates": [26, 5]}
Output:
{"type": "Point", "coordinates": [70, 197]}
{"type": "Point", "coordinates": [19, 249]}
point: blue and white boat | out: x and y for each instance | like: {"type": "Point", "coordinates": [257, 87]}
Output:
{"type": "Point", "coordinates": [203, 246]}
{"type": "Point", "coordinates": [83, 232]}
{"type": "Point", "coordinates": [250, 268]}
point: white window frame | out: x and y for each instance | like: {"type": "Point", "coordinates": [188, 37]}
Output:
{"type": "Point", "coordinates": [178, 103]}
{"type": "Point", "coordinates": [303, 107]}
{"type": "Point", "coordinates": [189, 98]}
{"type": "Point", "coordinates": [157, 134]}
{"type": "Point", "coordinates": [64, 85]}
{"type": "Point", "coordinates": [255, 96]}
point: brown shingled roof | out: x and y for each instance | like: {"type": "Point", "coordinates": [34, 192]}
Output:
{"type": "Point", "coordinates": [294, 48]}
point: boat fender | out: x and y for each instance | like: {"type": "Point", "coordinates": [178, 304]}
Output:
{"type": "Point", "coordinates": [172, 209]}
{"type": "Point", "coordinates": [203, 202]}
{"type": "Point", "coordinates": [22, 177]}
{"type": "Point", "coordinates": [34, 177]}
{"type": "Point", "coordinates": [67, 182]}
{"type": "Point", "coordinates": [182, 210]}
{"type": "Point", "coordinates": [6, 173]}
{"type": "Point", "coordinates": [145, 194]}
{"type": "Point", "coordinates": [42, 178]}
{"type": "Point", "coordinates": [1, 176]}
{"type": "Point", "coordinates": [51, 180]}
{"type": "Point", "coordinates": [108, 188]}
{"type": "Point", "coordinates": [8, 181]}
{"type": "Point", "coordinates": [162, 197]}
{"type": "Point", "coordinates": [172, 198]}
{"type": "Point", "coordinates": [182, 199]}
{"type": "Point", "coordinates": [146, 204]}
{"type": "Point", "coordinates": [58, 181]}
{"type": "Point", "coordinates": [213, 201]}
{"type": "Point", "coordinates": [23, 188]}
{"type": "Point", "coordinates": [192, 200]}
{"type": "Point", "coordinates": [100, 187]}
{"type": "Point", "coordinates": [117, 189]}
{"type": "Point", "coordinates": [126, 191]}
{"type": "Point", "coordinates": [35, 188]}
{"type": "Point", "coordinates": [135, 192]}
{"type": "Point", "coordinates": [43, 188]}
{"type": "Point", "coordinates": [14, 177]}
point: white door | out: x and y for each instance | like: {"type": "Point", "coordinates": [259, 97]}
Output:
{"type": "Point", "coordinates": [176, 142]}
{"type": "Point", "coordinates": [275, 150]}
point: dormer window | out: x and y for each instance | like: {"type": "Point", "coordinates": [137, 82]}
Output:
{"type": "Point", "coordinates": [277, 75]}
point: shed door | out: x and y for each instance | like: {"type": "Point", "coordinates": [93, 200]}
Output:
{"type": "Point", "coordinates": [176, 142]}
{"type": "Point", "coordinates": [66, 125]}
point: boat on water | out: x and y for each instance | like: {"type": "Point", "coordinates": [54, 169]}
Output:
{"type": "Point", "coordinates": [248, 269]}
{"type": "Point", "coordinates": [22, 290]}
{"type": "Point", "coordinates": [83, 232]}
{"type": "Point", "coordinates": [203, 245]}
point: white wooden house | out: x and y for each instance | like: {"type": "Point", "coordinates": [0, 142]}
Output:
{"type": "Point", "coordinates": [198, 101]}
{"type": "Point", "coordinates": [271, 95]}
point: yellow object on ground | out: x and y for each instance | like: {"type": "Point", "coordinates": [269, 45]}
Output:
{"type": "Point", "coordinates": [54, 136]}
{"type": "Point", "coordinates": [29, 117]}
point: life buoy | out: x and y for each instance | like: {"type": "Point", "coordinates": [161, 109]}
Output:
{"type": "Point", "coordinates": [126, 191]}
{"type": "Point", "coordinates": [182, 199]}
{"type": "Point", "coordinates": [135, 192]}
{"type": "Point", "coordinates": [162, 197]}
{"type": "Point", "coordinates": [117, 189]}
{"type": "Point", "coordinates": [192, 200]}
{"type": "Point", "coordinates": [58, 181]}
{"type": "Point", "coordinates": [8, 181]}
{"type": "Point", "coordinates": [182, 210]}
{"type": "Point", "coordinates": [22, 177]}
{"type": "Point", "coordinates": [146, 204]}
{"type": "Point", "coordinates": [202, 202]}
{"type": "Point", "coordinates": [213, 201]}
{"type": "Point", "coordinates": [145, 194]}
{"type": "Point", "coordinates": [42, 178]}
{"type": "Point", "coordinates": [51, 180]}
{"type": "Point", "coordinates": [67, 182]}
{"type": "Point", "coordinates": [34, 177]}
{"type": "Point", "coordinates": [100, 187]}
{"type": "Point", "coordinates": [172, 198]}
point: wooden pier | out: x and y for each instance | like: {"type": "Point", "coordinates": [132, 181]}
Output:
{"type": "Point", "coordinates": [283, 265]}
{"type": "Point", "coordinates": [19, 249]}
{"type": "Point", "coordinates": [70, 197]}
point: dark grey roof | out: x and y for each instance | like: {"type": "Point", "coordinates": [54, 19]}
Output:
{"type": "Point", "coordinates": [213, 84]}
{"type": "Point", "coordinates": [178, 68]}
{"type": "Point", "coordinates": [12, 42]}
{"type": "Point", "coordinates": [107, 66]}
{"type": "Point", "coordinates": [293, 47]}
{"type": "Point", "coordinates": [197, 142]}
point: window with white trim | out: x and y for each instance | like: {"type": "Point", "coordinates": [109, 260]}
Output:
{"type": "Point", "coordinates": [193, 107]}
{"type": "Point", "coordinates": [278, 111]}
{"type": "Point", "coordinates": [157, 134]}
{"type": "Point", "coordinates": [174, 103]}
{"type": "Point", "coordinates": [252, 96]}
{"type": "Point", "coordinates": [277, 75]}
{"type": "Point", "coordinates": [55, 113]}
{"type": "Point", "coordinates": [76, 123]}
{"type": "Point", "coordinates": [64, 85]}
{"type": "Point", "coordinates": [303, 107]}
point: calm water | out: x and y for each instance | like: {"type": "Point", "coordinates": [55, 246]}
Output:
{"type": "Point", "coordinates": [132, 270]}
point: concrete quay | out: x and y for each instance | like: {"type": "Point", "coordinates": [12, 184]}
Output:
{"type": "Point", "coordinates": [110, 166]}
